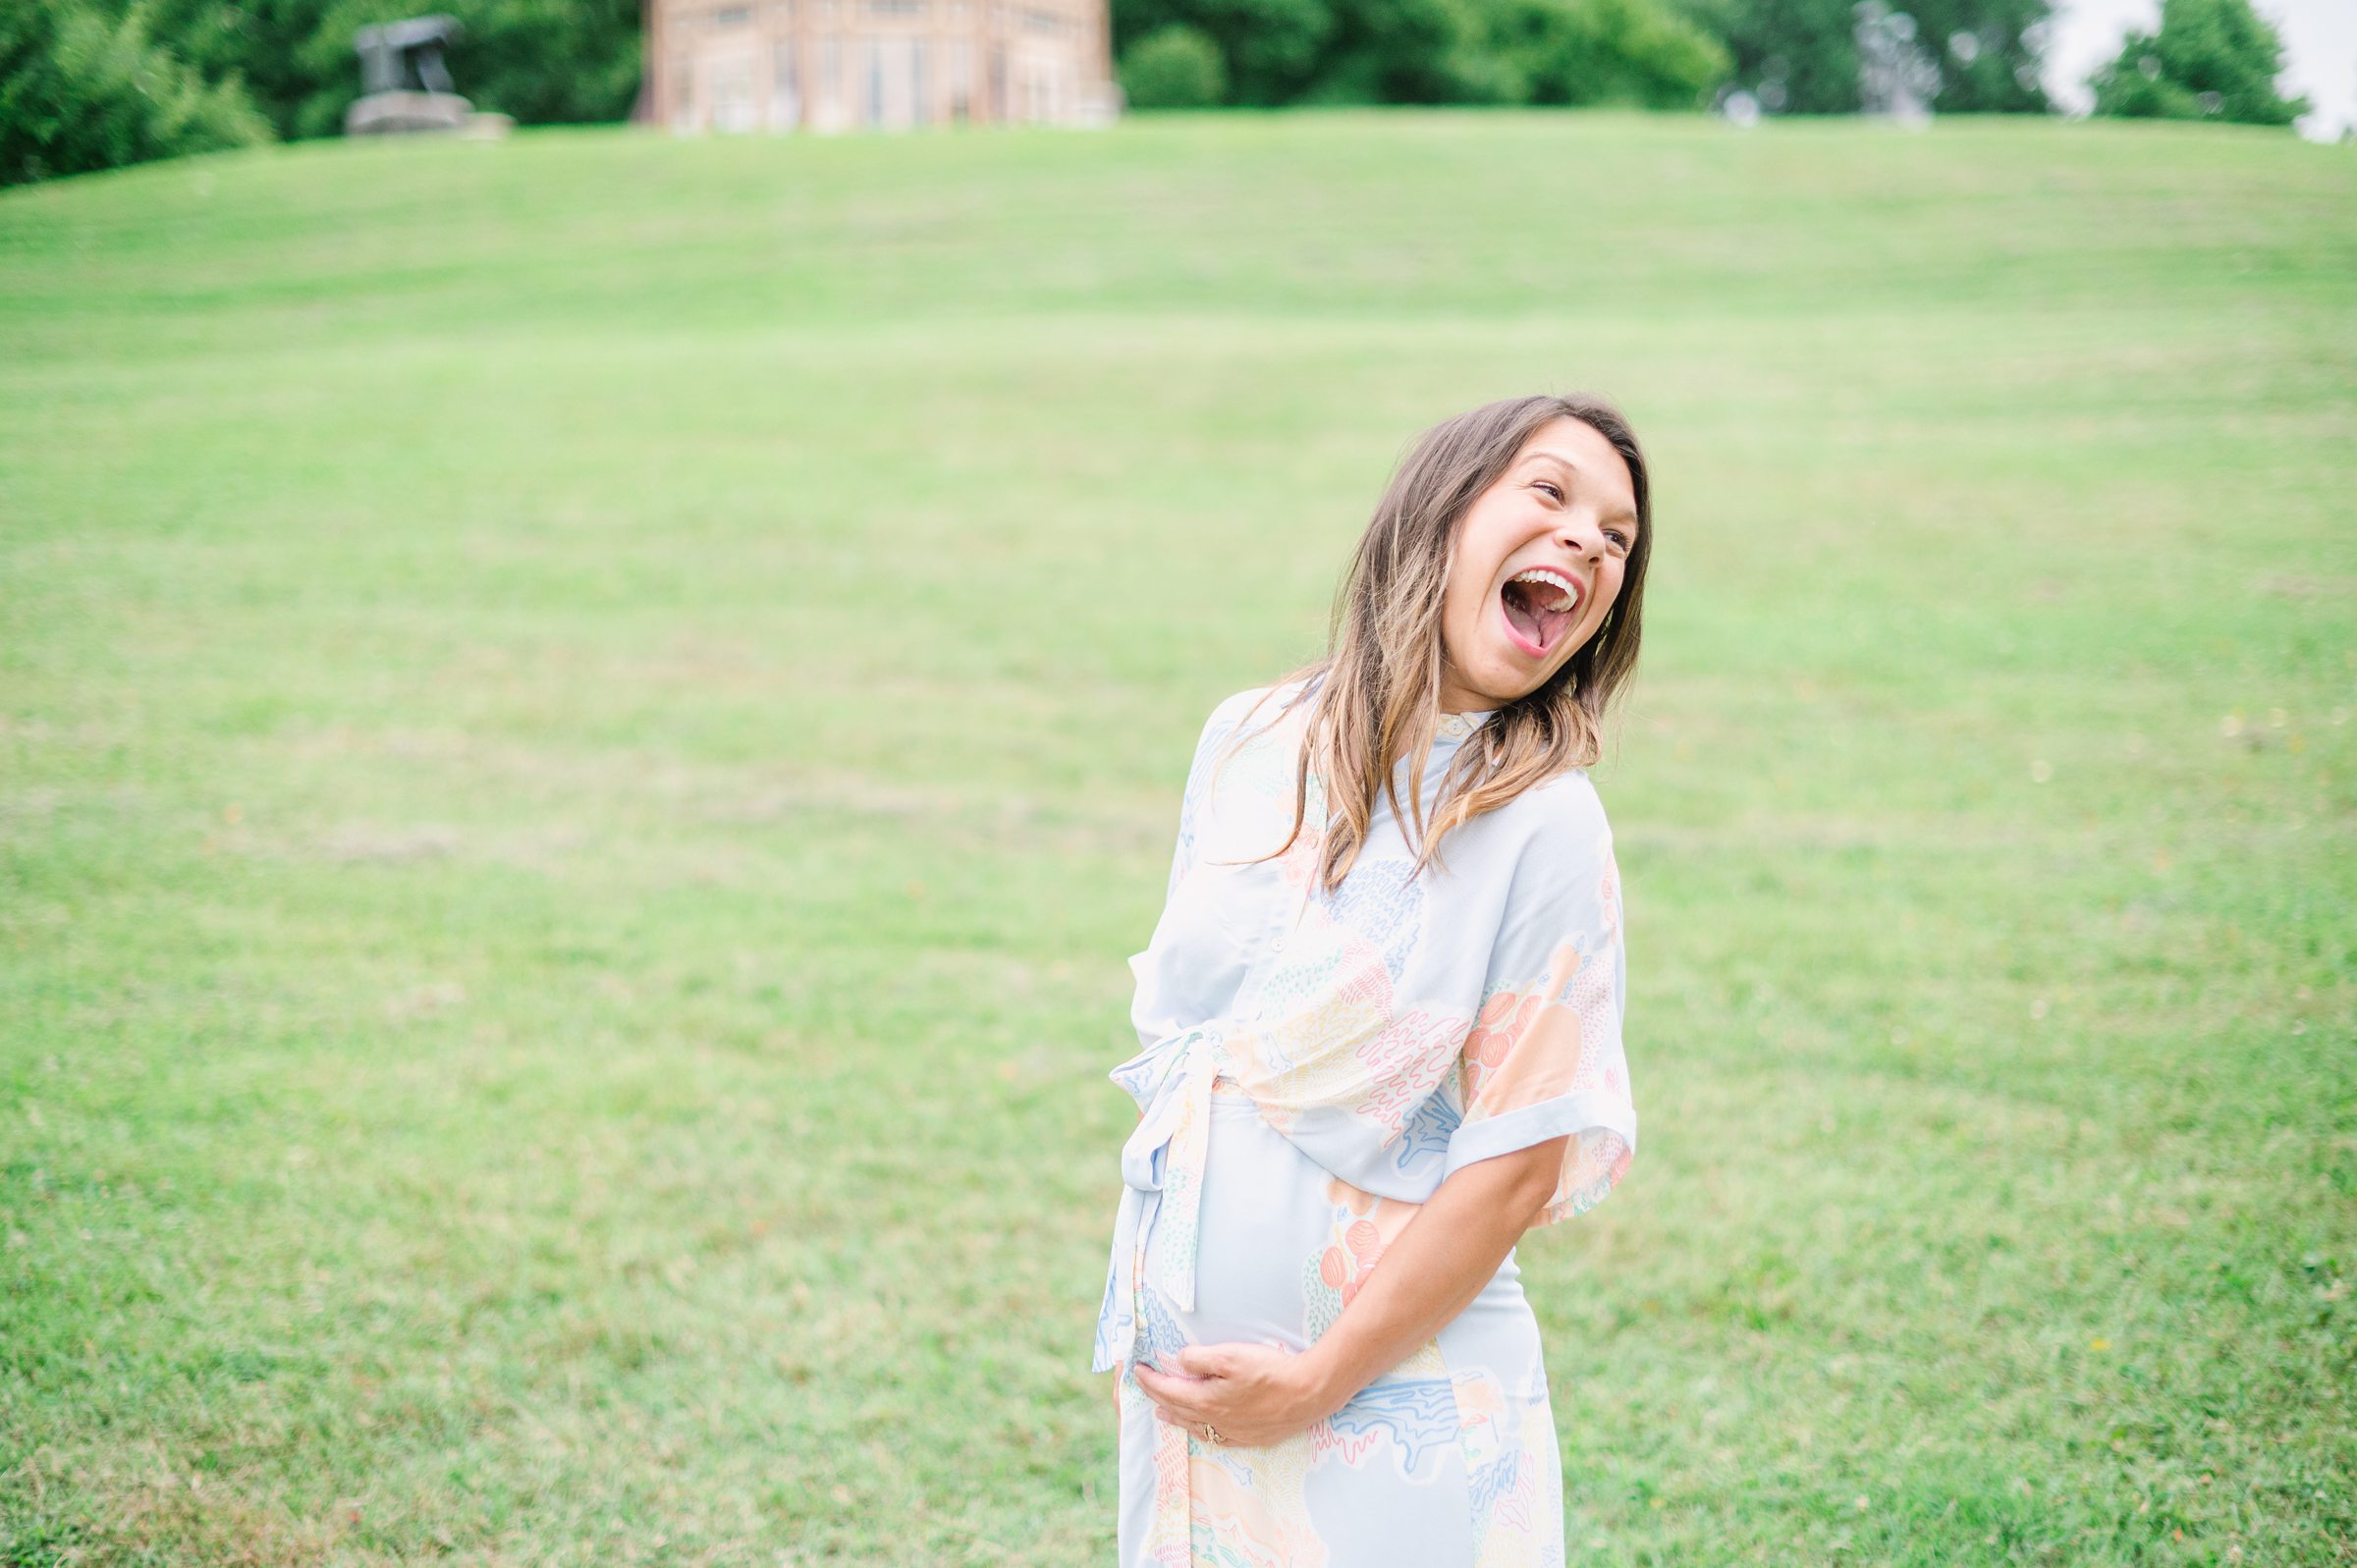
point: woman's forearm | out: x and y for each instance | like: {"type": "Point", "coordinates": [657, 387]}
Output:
{"type": "Point", "coordinates": [1431, 1270]}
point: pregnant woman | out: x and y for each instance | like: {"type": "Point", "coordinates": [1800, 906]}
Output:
{"type": "Point", "coordinates": [1381, 1014]}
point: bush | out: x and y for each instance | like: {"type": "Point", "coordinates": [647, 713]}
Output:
{"type": "Point", "coordinates": [84, 89]}
{"type": "Point", "coordinates": [2212, 60]}
{"type": "Point", "coordinates": [1271, 49]}
{"type": "Point", "coordinates": [260, 41]}
{"type": "Point", "coordinates": [1175, 67]}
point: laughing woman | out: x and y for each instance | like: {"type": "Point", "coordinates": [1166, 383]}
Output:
{"type": "Point", "coordinates": [1381, 1014]}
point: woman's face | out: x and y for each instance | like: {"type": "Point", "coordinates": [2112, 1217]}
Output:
{"type": "Point", "coordinates": [1538, 560]}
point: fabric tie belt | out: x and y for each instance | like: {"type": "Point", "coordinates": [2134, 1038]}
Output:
{"type": "Point", "coordinates": [1162, 1175]}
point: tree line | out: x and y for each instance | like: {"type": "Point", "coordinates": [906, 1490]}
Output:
{"type": "Point", "coordinates": [90, 84]}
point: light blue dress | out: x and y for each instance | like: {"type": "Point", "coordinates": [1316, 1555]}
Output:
{"type": "Point", "coordinates": [1313, 1066]}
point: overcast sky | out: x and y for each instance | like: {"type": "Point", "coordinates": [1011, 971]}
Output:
{"type": "Point", "coordinates": [2320, 48]}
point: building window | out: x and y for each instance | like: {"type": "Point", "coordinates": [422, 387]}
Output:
{"type": "Point", "coordinates": [731, 15]}
{"type": "Point", "coordinates": [831, 69]}
{"type": "Point", "coordinates": [785, 93]}
{"type": "Point", "coordinates": [896, 8]}
{"type": "Point", "coordinates": [733, 93]}
{"type": "Point", "coordinates": [919, 110]}
{"type": "Point", "coordinates": [875, 83]}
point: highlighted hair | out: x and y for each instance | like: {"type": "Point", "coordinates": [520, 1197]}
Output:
{"type": "Point", "coordinates": [1375, 694]}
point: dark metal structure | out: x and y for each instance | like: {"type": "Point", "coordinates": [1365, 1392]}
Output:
{"type": "Point", "coordinates": [406, 56]}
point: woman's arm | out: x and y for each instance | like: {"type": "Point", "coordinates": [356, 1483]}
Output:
{"type": "Point", "coordinates": [1433, 1269]}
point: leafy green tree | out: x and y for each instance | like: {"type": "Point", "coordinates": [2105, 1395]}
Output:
{"type": "Point", "coordinates": [1176, 66]}
{"type": "Point", "coordinates": [1447, 51]}
{"type": "Point", "coordinates": [1404, 51]}
{"type": "Point", "coordinates": [1801, 56]}
{"type": "Point", "coordinates": [2211, 60]}
{"type": "Point", "coordinates": [1633, 52]}
{"type": "Point", "coordinates": [84, 88]}
{"type": "Point", "coordinates": [543, 61]}
{"type": "Point", "coordinates": [1273, 49]}
{"type": "Point", "coordinates": [1988, 52]}
{"type": "Point", "coordinates": [260, 40]}
{"type": "Point", "coordinates": [1795, 56]}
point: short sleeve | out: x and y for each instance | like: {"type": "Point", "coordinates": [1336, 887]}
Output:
{"type": "Point", "coordinates": [1208, 744]}
{"type": "Point", "coordinates": [1544, 1059]}
{"type": "Point", "coordinates": [1176, 980]}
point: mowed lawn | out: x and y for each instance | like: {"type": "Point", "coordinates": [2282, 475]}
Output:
{"type": "Point", "coordinates": [586, 724]}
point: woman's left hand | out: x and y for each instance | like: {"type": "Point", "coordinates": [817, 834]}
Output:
{"type": "Point", "coordinates": [1252, 1395]}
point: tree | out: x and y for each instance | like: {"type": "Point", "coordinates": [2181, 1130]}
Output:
{"type": "Point", "coordinates": [1801, 56]}
{"type": "Point", "coordinates": [1632, 52]}
{"type": "Point", "coordinates": [82, 88]}
{"type": "Point", "coordinates": [1272, 47]}
{"type": "Point", "coordinates": [1404, 51]}
{"type": "Point", "coordinates": [1988, 52]}
{"type": "Point", "coordinates": [2212, 60]}
{"type": "Point", "coordinates": [543, 61]}
{"type": "Point", "coordinates": [1795, 56]}
{"type": "Point", "coordinates": [261, 42]}
{"type": "Point", "coordinates": [1636, 52]}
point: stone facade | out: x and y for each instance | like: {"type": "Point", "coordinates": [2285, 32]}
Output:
{"type": "Point", "coordinates": [848, 65]}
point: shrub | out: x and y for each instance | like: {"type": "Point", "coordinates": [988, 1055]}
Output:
{"type": "Point", "coordinates": [84, 89]}
{"type": "Point", "coordinates": [1270, 49]}
{"type": "Point", "coordinates": [1174, 67]}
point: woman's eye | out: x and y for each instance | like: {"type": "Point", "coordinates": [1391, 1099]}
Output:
{"type": "Point", "coordinates": [1617, 537]}
{"type": "Point", "coordinates": [1551, 489]}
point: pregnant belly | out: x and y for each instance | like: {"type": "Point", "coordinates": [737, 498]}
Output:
{"type": "Point", "coordinates": [1281, 1246]}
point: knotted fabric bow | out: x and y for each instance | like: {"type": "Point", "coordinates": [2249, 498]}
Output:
{"type": "Point", "coordinates": [1161, 1177]}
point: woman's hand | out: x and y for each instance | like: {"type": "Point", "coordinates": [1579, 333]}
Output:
{"type": "Point", "coordinates": [1253, 1395]}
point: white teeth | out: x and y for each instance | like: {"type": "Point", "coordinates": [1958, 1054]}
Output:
{"type": "Point", "coordinates": [1553, 579]}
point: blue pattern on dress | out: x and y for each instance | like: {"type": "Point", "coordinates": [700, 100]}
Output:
{"type": "Point", "coordinates": [1112, 1319]}
{"type": "Point", "coordinates": [1380, 902]}
{"type": "Point", "coordinates": [1493, 1480]}
{"type": "Point", "coordinates": [1159, 1336]}
{"type": "Point", "coordinates": [1416, 1413]}
{"type": "Point", "coordinates": [1425, 1138]}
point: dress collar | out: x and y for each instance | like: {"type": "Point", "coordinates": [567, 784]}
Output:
{"type": "Point", "coordinates": [1458, 726]}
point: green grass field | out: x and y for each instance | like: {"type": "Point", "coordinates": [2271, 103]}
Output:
{"type": "Point", "coordinates": [586, 724]}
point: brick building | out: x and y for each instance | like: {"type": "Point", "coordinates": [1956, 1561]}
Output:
{"type": "Point", "coordinates": [843, 65]}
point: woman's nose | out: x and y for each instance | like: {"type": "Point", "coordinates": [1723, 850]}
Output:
{"type": "Point", "coordinates": [1580, 536]}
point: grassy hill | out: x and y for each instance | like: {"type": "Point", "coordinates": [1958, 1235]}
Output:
{"type": "Point", "coordinates": [586, 724]}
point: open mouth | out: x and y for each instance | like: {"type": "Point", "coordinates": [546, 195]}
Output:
{"type": "Point", "coordinates": [1538, 606]}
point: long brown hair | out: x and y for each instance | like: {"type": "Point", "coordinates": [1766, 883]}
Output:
{"type": "Point", "coordinates": [1376, 691]}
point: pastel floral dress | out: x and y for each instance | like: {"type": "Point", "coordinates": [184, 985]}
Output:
{"type": "Point", "coordinates": [1313, 1066]}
